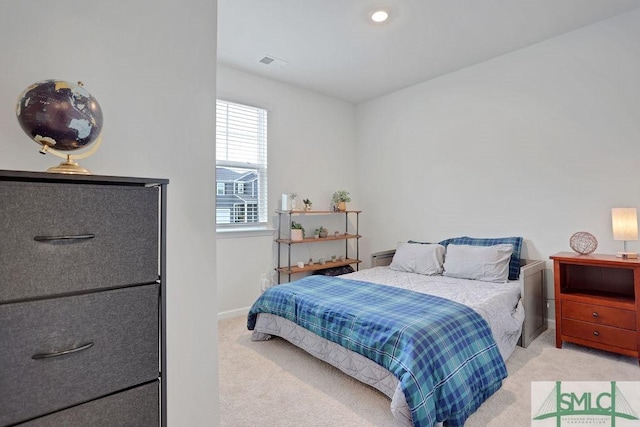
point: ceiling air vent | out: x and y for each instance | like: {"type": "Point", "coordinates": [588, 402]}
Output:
{"type": "Point", "coordinates": [272, 60]}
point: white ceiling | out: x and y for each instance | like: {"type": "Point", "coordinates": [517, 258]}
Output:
{"type": "Point", "coordinates": [331, 46]}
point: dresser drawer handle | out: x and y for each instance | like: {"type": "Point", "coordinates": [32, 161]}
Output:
{"type": "Point", "coordinates": [72, 237]}
{"type": "Point", "coordinates": [595, 314]}
{"type": "Point", "coordinates": [63, 352]}
{"type": "Point", "coordinates": [596, 333]}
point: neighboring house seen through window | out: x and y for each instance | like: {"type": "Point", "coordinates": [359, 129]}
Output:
{"type": "Point", "coordinates": [241, 164]}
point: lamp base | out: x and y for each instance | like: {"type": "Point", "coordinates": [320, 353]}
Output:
{"type": "Point", "coordinates": [627, 255]}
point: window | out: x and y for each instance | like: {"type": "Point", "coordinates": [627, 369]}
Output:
{"type": "Point", "coordinates": [241, 164]}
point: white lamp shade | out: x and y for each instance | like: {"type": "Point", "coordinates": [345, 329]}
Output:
{"type": "Point", "coordinates": [625, 223]}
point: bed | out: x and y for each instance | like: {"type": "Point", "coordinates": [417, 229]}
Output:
{"type": "Point", "coordinates": [463, 368]}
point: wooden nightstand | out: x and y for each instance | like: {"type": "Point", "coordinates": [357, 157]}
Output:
{"type": "Point", "coordinates": [597, 302]}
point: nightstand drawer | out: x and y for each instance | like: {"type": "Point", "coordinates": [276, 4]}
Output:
{"type": "Point", "coordinates": [135, 407]}
{"type": "Point", "coordinates": [619, 318]}
{"type": "Point", "coordinates": [608, 335]}
{"type": "Point", "coordinates": [111, 343]}
{"type": "Point", "coordinates": [59, 238]}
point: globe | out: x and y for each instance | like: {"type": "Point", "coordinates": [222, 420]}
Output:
{"type": "Point", "coordinates": [61, 116]}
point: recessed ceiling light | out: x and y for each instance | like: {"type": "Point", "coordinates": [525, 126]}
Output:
{"type": "Point", "coordinates": [379, 15]}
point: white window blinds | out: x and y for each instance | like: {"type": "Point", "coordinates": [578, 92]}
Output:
{"type": "Point", "coordinates": [241, 164]}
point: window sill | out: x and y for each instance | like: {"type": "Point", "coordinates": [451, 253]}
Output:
{"type": "Point", "coordinates": [237, 232]}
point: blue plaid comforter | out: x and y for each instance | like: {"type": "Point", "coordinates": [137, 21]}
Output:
{"type": "Point", "coordinates": [442, 352]}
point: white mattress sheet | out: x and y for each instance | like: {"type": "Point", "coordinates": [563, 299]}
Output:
{"type": "Point", "coordinates": [498, 303]}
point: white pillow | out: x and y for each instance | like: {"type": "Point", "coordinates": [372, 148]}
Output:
{"type": "Point", "coordinates": [418, 258]}
{"type": "Point", "coordinates": [486, 263]}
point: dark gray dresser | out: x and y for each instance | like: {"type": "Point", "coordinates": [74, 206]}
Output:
{"type": "Point", "coordinates": [82, 309]}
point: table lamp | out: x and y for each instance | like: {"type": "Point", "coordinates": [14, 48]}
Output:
{"type": "Point", "coordinates": [625, 227]}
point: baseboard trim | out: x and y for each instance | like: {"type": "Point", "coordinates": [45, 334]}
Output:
{"type": "Point", "coordinates": [233, 313]}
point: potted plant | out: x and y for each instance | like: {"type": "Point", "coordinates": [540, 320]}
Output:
{"type": "Point", "coordinates": [307, 204]}
{"type": "Point", "coordinates": [322, 232]}
{"type": "Point", "coordinates": [316, 233]}
{"type": "Point", "coordinates": [297, 232]}
{"type": "Point", "coordinates": [340, 199]}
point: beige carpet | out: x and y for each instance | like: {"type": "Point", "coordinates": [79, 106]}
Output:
{"type": "Point", "coordinates": [273, 383]}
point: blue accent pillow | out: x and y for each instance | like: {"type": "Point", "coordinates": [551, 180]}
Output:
{"type": "Point", "coordinates": [516, 242]}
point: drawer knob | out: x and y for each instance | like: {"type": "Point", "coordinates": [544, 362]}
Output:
{"type": "Point", "coordinates": [66, 237]}
{"type": "Point", "coordinates": [596, 333]}
{"type": "Point", "coordinates": [63, 352]}
{"type": "Point", "coordinates": [595, 314]}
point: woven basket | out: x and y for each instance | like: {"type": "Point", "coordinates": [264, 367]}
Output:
{"type": "Point", "coordinates": [583, 243]}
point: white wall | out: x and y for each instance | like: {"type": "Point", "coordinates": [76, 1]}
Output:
{"type": "Point", "coordinates": [311, 151]}
{"type": "Point", "coordinates": [541, 143]}
{"type": "Point", "coordinates": [151, 66]}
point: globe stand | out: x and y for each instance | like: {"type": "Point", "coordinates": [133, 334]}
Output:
{"type": "Point", "coordinates": [69, 166]}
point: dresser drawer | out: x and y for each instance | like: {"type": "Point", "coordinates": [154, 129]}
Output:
{"type": "Point", "coordinates": [608, 335]}
{"type": "Point", "coordinates": [59, 238]}
{"type": "Point", "coordinates": [625, 319]}
{"type": "Point", "coordinates": [132, 408]}
{"type": "Point", "coordinates": [118, 327]}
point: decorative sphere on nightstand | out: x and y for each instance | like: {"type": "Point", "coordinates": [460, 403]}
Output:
{"type": "Point", "coordinates": [583, 243]}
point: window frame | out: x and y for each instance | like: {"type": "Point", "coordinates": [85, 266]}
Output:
{"type": "Point", "coordinates": [259, 187]}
